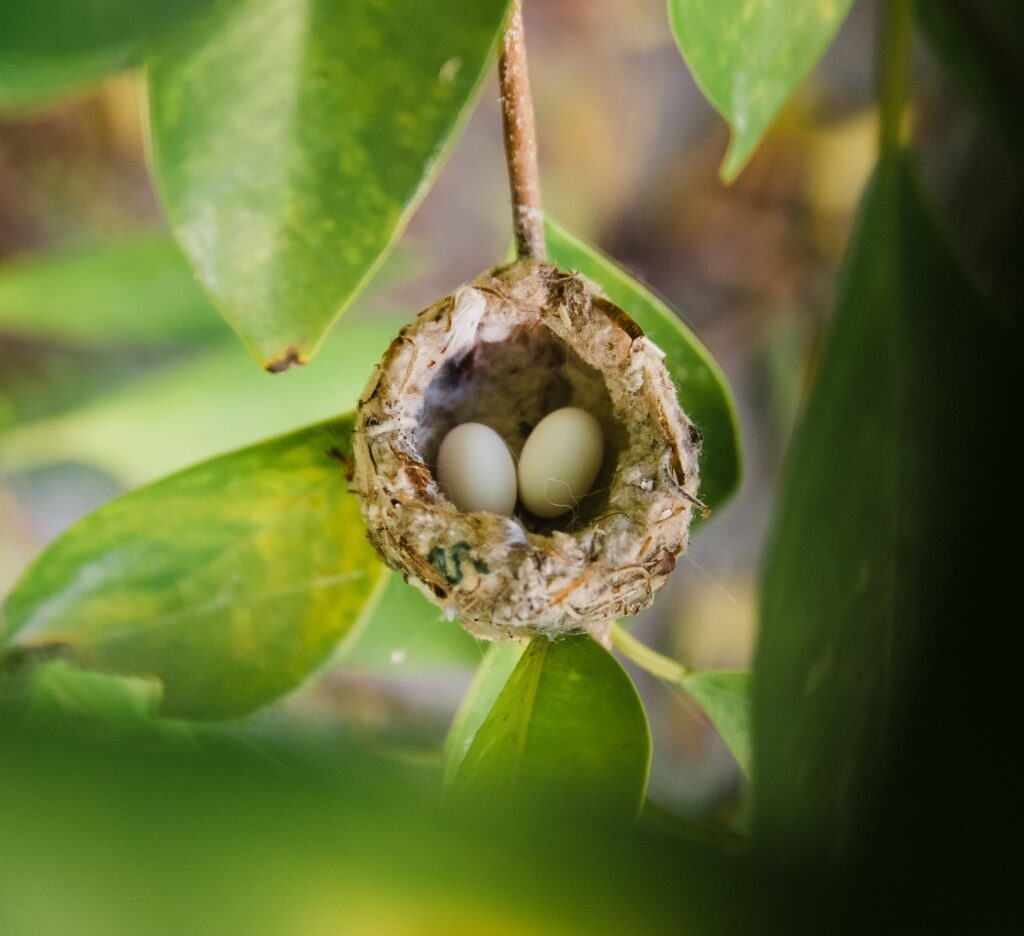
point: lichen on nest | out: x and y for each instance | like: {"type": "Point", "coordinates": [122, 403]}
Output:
{"type": "Point", "coordinates": [519, 342]}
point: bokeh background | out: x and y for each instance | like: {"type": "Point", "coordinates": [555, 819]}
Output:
{"type": "Point", "coordinates": [629, 154]}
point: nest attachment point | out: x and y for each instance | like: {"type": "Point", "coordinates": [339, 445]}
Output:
{"type": "Point", "coordinates": [518, 343]}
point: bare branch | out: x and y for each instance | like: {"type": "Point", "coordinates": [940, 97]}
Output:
{"type": "Point", "coordinates": [520, 139]}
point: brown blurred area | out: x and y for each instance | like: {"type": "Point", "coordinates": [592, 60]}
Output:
{"type": "Point", "coordinates": [629, 156]}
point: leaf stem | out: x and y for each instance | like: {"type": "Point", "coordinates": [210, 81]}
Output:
{"type": "Point", "coordinates": [894, 81]}
{"type": "Point", "coordinates": [643, 656]}
{"type": "Point", "coordinates": [520, 138]}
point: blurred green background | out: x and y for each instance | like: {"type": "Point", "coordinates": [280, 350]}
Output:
{"type": "Point", "coordinates": [114, 370]}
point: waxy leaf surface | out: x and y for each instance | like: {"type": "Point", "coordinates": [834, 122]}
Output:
{"type": "Point", "coordinates": [229, 582]}
{"type": "Point", "coordinates": [568, 727]}
{"type": "Point", "coordinates": [748, 56]}
{"type": "Point", "coordinates": [292, 139]}
{"type": "Point", "coordinates": [490, 678]}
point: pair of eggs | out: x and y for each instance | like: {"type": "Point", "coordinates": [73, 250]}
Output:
{"type": "Point", "coordinates": [557, 467]}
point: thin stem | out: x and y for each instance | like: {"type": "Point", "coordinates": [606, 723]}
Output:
{"type": "Point", "coordinates": [643, 656]}
{"type": "Point", "coordinates": [894, 89]}
{"type": "Point", "coordinates": [520, 139]}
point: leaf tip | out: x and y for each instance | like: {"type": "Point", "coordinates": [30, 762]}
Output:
{"type": "Point", "coordinates": [291, 357]}
{"type": "Point", "coordinates": [736, 158]}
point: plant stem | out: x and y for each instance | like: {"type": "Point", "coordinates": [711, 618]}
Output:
{"type": "Point", "coordinates": [643, 656]}
{"type": "Point", "coordinates": [520, 139]}
{"type": "Point", "coordinates": [894, 84]}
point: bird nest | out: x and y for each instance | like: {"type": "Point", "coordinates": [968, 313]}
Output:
{"type": "Point", "coordinates": [521, 341]}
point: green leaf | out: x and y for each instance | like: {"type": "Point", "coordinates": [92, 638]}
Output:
{"type": "Point", "coordinates": [883, 554]}
{"type": "Point", "coordinates": [27, 81]}
{"type": "Point", "coordinates": [292, 140]}
{"type": "Point", "coordinates": [132, 293]}
{"type": "Point", "coordinates": [206, 406]}
{"type": "Point", "coordinates": [215, 840]}
{"type": "Point", "coordinates": [703, 391]}
{"type": "Point", "coordinates": [982, 43]}
{"type": "Point", "coordinates": [491, 677]}
{"type": "Point", "coordinates": [568, 727]}
{"type": "Point", "coordinates": [406, 634]}
{"type": "Point", "coordinates": [56, 688]}
{"type": "Point", "coordinates": [749, 56]}
{"type": "Point", "coordinates": [49, 47]}
{"type": "Point", "coordinates": [724, 697]}
{"type": "Point", "coordinates": [229, 583]}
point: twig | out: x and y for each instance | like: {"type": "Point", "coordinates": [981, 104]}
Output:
{"type": "Point", "coordinates": [897, 25]}
{"type": "Point", "coordinates": [643, 656]}
{"type": "Point", "coordinates": [520, 139]}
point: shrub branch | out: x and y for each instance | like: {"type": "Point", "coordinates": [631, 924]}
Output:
{"type": "Point", "coordinates": [520, 139]}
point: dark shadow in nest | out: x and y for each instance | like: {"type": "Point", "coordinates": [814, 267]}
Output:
{"type": "Point", "coordinates": [510, 386]}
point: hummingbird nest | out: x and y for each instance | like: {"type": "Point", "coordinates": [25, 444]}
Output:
{"type": "Point", "coordinates": [519, 342]}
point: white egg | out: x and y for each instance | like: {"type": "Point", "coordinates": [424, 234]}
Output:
{"type": "Point", "coordinates": [476, 471]}
{"type": "Point", "coordinates": [560, 461]}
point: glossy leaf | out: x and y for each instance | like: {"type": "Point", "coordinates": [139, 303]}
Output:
{"type": "Point", "coordinates": [136, 292]}
{"type": "Point", "coordinates": [724, 697]}
{"type": "Point", "coordinates": [407, 634]}
{"type": "Point", "coordinates": [749, 56]}
{"type": "Point", "coordinates": [491, 676]}
{"type": "Point", "coordinates": [292, 139]}
{"type": "Point", "coordinates": [207, 406]}
{"type": "Point", "coordinates": [702, 388]}
{"type": "Point", "coordinates": [568, 727]}
{"type": "Point", "coordinates": [229, 583]}
{"type": "Point", "coordinates": [49, 47]}
{"type": "Point", "coordinates": [982, 44]}
{"type": "Point", "coordinates": [882, 556]}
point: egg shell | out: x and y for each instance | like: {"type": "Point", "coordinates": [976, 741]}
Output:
{"type": "Point", "coordinates": [476, 471]}
{"type": "Point", "coordinates": [560, 461]}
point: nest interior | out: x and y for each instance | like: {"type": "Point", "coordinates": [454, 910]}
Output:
{"type": "Point", "coordinates": [511, 384]}
{"type": "Point", "coordinates": [520, 342]}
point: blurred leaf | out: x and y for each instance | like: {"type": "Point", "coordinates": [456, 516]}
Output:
{"type": "Point", "coordinates": [229, 582]}
{"type": "Point", "coordinates": [80, 324]}
{"type": "Point", "coordinates": [136, 292]}
{"type": "Point", "coordinates": [491, 676]}
{"type": "Point", "coordinates": [703, 391]}
{"type": "Point", "coordinates": [205, 406]}
{"type": "Point", "coordinates": [49, 47]}
{"type": "Point", "coordinates": [724, 697]}
{"type": "Point", "coordinates": [568, 727]}
{"type": "Point", "coordinates": [209, 841]}
{"type": "Point", "coordinates": [292, 140]}
{"type": "Point", "coordinates": [982, 43]}
{"type": "Point", "coordinates": [30, 80]}
{"type": "Point", "coordinates": [655, 816]}
{"type": "Point", "coordinates": [58, 689]}
{"type": "Point", "coordinates": [880, 557]}
{"type": "Point", "coordinates": [749, 56]}
{"type": "Point", "coordinates": [406, 633]}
